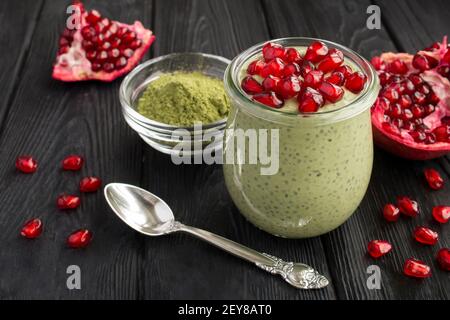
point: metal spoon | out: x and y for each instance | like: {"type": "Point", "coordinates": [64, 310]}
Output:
{"type": "Point", "coordinates": [150, 215]}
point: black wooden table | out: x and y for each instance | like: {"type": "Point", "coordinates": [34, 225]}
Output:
{"type": "Point", "coordinates": [50, 119]}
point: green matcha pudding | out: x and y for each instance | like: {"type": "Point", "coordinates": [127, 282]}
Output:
{"type": "Point", "coordinates": [313, 99]}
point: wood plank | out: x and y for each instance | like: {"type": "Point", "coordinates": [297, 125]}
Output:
{"type": "Point", "coordinates": [178, 267]}
{"type": "Point", "coordinates": [50, 120]}
{"type": "Point", "coordinates": [345, 23]}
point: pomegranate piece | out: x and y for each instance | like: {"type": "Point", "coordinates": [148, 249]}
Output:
{"type": "Point", "coordinates": [275, 68]}
{"type": "Point", "coordinates": [271, 83]}
{"type": "Point", "coordinates": [355, 82]}
{"type": "Point", "coordinates": [26, 164]}
{"type": "Point", "coordinates": [443, 259]}
{"type": "Point", "coordinates": [426, 236]}
{"type": "Point", "coordinates": [407, 206]}
{"type": "Point", "coordinates": [32, 229]}
{"type": "Point", "coordinates": [66, 202]}
{"type": "Point", "coordinates": [269, 99]}
{"type": "Point", "coordinates": [90, 184]}
{"type": "Point", "coordinates": [289, 87]}
{"type": "Point", "coordinates": [416, 269]}
{"type": "Point", "coordinates": [310, 100]}
{"type": "Point", "coordinates": [313, 78]}
{"type": "Point", "coordinates": [83, 52]}
{"type": "Point", "coordinates": [292, 55]}
{"type": "Point", "coordinates": [79, 239]}
{"type": "Point", "coordinates": [391, 212]}
{"type": "Point", "coordinates": [251, 86]}
{"type": "Point", "coordinates": [331, 92]}
{"type": "Point", "coordinates": [434, 179]}
{"type": "Point", "coordinates": [271, 51]}
{"type": "Point", "coordinates": [72, 163]}
{"type": "Point", "coordinates": [336, 78]}
{"type": "Point", "coordinates": [441, 214]}
{"type": "Point", "coordinates": [333, 59]}
{"type": "Point", "coordinates": [255, 67]}
{"type": "Point", "coordinates": [378, 248]}
{"type": "Point", "coordinates": [316, 51]}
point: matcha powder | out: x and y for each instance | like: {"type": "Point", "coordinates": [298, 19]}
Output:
{"type": "Point", "coordinates": [183, 98]}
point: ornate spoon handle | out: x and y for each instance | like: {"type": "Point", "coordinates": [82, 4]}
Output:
{"type": "Point", "coordinates": [297, 274]}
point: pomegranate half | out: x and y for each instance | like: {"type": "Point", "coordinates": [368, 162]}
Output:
{"type": "Point", "coordinates": [100, 48]}
{"type": "Point", "coordinates": [411, 117]}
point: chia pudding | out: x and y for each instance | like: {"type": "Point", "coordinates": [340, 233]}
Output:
{"type": "Point", "coordinates": [325, 156]}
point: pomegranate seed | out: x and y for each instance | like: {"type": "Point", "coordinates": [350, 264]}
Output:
{"type": "Point", "coordinates": [269, 99]}
{"type": "Point", "coordinates": [415, 79]}
{"type": "Point", "coordinates": [417, 111]}
{"type": "Point", "coordinates": [122, 31]}
{"type": "Point", "coordinates": [106, 45]}
{"type": "Point", "coordinates": [443, 259]}
{"type": "Point", "coordinates": [407, 114]}
{"type": "Point", "coordinates": [384, 78]}
{"type": "Point", "coordinates": [87, 45]}
{"type": "Point", "coordinates": [106, 23]}
{"type": "Point", "coordinates": [306, 68]}
{"type": "Point", "coordinates": [408, 206]}
{"type": "Point", "coordinates": [26, 164]}
{"type": "Point", "coordinates": [79, 239]}
{"type": "Point", "coordinates": [331, 92]}
{"type": "Point", "coordinates": [113, 54]}
{"type": "Point", "coordinates": [120, 63]}
{"type": "Point", "coordinates": [434, 179]}
{"type": "Point", "coordinates": [63, 50]}
{"type": "Point", "coordinates": [441, 214]}
{"type": "Point", "coordinates": [405, 101]}
{"type": "Point", "coordinates": [398, 123]}
{"type": "Point", "coordinates": [32, 229]}
{"type": "Point", "coordinates": [378, 248]}
{"type": "Point", "coordinates": [426, 236]}
{"type": "Point", "coordinates": [391, 213]}
{"type": "Point", "coordinates": [289, 87]}
{"type": "Point", "coordinates": [336, 78]}
{"type": "Point", "coordinates": [90, 55]}
{"type": "Point", "coordinates": [391, 94]}
{"type": "Point", "coordinates": [389, 128]}
{"type": "Point", "coordinates": [108, 67]}
{"type": "Point", "coordinates": [72, 163]}
{"type": "Point", "coordinates": [418, 136]}
{"type": "Point", "coordinates": [68, 34]}
{"type": "Point", "coordinates": [333, 60]}
{"type": "Point", "coordinates": [96, 66]}
{"type": "Point", "coordinates": [408, 87]}
{"type": "Point", "coordinates": [433, 98]}
{"type": "Point", "coordinates": [251, 86]}
{"type": "Point", "coordinates": [314, 78]}
{"type": "Point", "coordinates": [115, 43]}
{"type": "Point", "coordinates": [377, 63]}
{"type": "Point", "coordinates": [90, 184]}
{"type": "Point", "coordinates": [66, 201]}
{"type": "Point", "coordinates": [98, 39]}
{"type": "Point", "coordinates": [127, 53]}
{"type": "Point", "coordinates": [291, 69]}
{"type": "Point", "coordinates": [136, 44]}
{"type": "Point", "coordinates": [424, 62]}
{"type": "Point", "coordinates": [397, 67]}
{"type": "Point", "coordinates": [99, 28]}
{"type": "Point", "coordinates": [424, 88]}
{"type": "Point", "coordinates": [396, 110]}
{"type": "Point", "coordinates": [384, 103]}
{"type": "Point", "coordinates": [345, 70]}
{"type": "Point", "coordinates": [419, 98]}
{"type": "Point", "coordinates": [63, 42]}
{"type": "Point", "coordinates": [446, 58]}
{"type": "Point", "coordinates": [444, 70]}
{"type": "Point", "coordinates": [93, 17]}
{"type": "Point", "coordinates": [292, 55]}
{"type": "Point", "coordinates": [271, 83]}
{"type": "Point", "coordinates": [88, 32]}
{"type": "Point", "coordinates": [274, 67]}
{"type": "Point", "coordinates": [316, 51]}
{"type": "Point", "coordinates": [416, 269]}
{"type": "Point", "coordinates": [430, 139]}
{"type": "Point", "coordinates": [428, 109]}
{"type": "Point", "coordinates": [113, 29]}
{"type": "Point", "coordinates": [409, 126]}
{"type": "Point", "coordinates": [102, 56]}
{"type": "Point", "coordinates": [271, 51]}
{"type": "Point", "coordinates": [310, 100]}
{"type": "Point", "coordinates": [355, 82]}
{"type": "Point", "coordinates": [255, 67]}
{"type": "Point", "coordinates": [442, 133]}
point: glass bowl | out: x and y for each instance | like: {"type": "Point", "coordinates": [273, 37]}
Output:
{"type": "Point", "coordinates": [166, 138]}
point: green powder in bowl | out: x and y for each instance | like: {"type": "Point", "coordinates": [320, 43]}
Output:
{"type": "Point", "coordinates": [184, 98]}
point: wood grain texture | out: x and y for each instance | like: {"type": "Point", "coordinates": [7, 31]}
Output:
{"type": "Point", "coordinates": [345, 23]}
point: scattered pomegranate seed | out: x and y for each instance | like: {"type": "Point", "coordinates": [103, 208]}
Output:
{"type": "Point", "coordinates": [289, 87]}
{"type": "Point", "coordinates": [391, 212]}
{"type": "Point", "coordinates": [66, 201]}
{"type": "Point", "coordinates": [72, 163]}
{"type": "Point", "coordinates": [255, 67]}
{"type": "Point", "coordinates": [90, 184]}
{"type": "Point", "coordinates": [434, 179]}
{"type": "Point", "coordinates": [355, 82]}
{"type": "Point", "coordinates": [313, 79]}
{"type": "Point", "coordinates": [79, 239]}
{"type": "Point", "coordinates": [306, 68]}
{"type": "Point", "coordinates": [408, 206]}
{"type": "Point", "coordinates": [269, 99]}
{"type": "Point", "coordinates": [251, 86]}
{"type": "Point", "coordinates": [310, 100]}
{"type": "Point", "coordinates": [331, 92]}
{"type": "Point", "coordinates": [336, 78]}
{"type": "Point", "coordinates": [378, 248]}
{"type": "Point", "coordinates": [441, 214]}
{"type": "Point", "coordinates": [316, 51]}
{"type": "Point", "coordinates": [416, 269]}
{"type": "Point", "coordinates": [271, 51]}
{"type": "Point", "coordinates": [292, 55]}
{"type": "Point", "coordinates": [291, 69]}
{"type": "Point", "coordinates": [443, 259]}
{"type": "Point", "coordinates": [274, 67]}
{"type": "Point", "coordinates": [26, 164]}
{"type": "Point", "coordinates": [271, 83]}
{"type": "Point", "coordinates": [426, 235]}
{"type": "Point", "coordinates": [32, 229]}
{"type": "Point", "coordinates": [333, 60]}
{"type": "Point", "coordinates": [345, 70]}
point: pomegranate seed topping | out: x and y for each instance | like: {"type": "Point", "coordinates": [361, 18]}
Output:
{"type": "Point", "coordinates": [378, 248]}
{"type": "Point", "coordinates": [333, 60]}
{"type": "Point", "coordinates": [408, 206]}
{"type": "Point", "coordinates": [66, 201]}
{"type": "Point", "coordinates": [93, 17]}
{"type": "Point", "coordinates": [291, 69]}
{"type": "Point", "coordinates": [32, 229]}
{"type": "Point", "coordinates": [314, 78]}
{"type": "Point", "coordinates": [274, 67]}
{"type": "Point", "coordinates": [331, 92]}
{"type": "Point", "coordinates": [306, 68]}
{"type": "Point", "coordinates": [269, 99]}
{"type": "Point", "coordinates": [289, 87]}
{"type": "Point", "coordinates": [355, 82]}
{"type": "Point", "coordinates": [441, 214]}
{"type": "Point", "coordinates": [90, 184]}
{"type": "Point", "coordinates": [345, 70]}
{"type": "Point", "coordinates": [416, 269]}
{"type": "Point", "coordinates": [336, 78]}
{"type": "Point", "coordinates": [251, 86]}
{"type": "Point", "coordinates": [271, 51]}
{"type": "Point", "coordinates": [397, 67]}
{"type": "Point", "coordinates": [443, 259]}
{"type": "Point", "coordinates": [26, 164]}
{"type": "Point", "coordinates": [377, 63]}
{"type": "Point", "coordinates": [255, 67]}
{"type": "Point", "coordinates": [271, 83]}
{"type": "Point", "coordinates": [310, 100]}
{"type": "Point", "coordinates": [424, 62]}
{"type": "Point", "coordinates": [316, 51]}
{"type": "Point", "coordinates": [292, 55]}
{"type": "Point", "coordinates": [391, 213]}
{"type": "Point", "coordinates": [79, 239]}
{"type": "Point", "coordinates": [72, 163]}
{"type": "Point", "coordinates": [434, 179]}
{"type": "Point", "coordinates": [426, 236]}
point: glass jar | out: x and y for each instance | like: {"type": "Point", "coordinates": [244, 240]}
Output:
{"type": "Point", "coordinates": [324, 158]}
